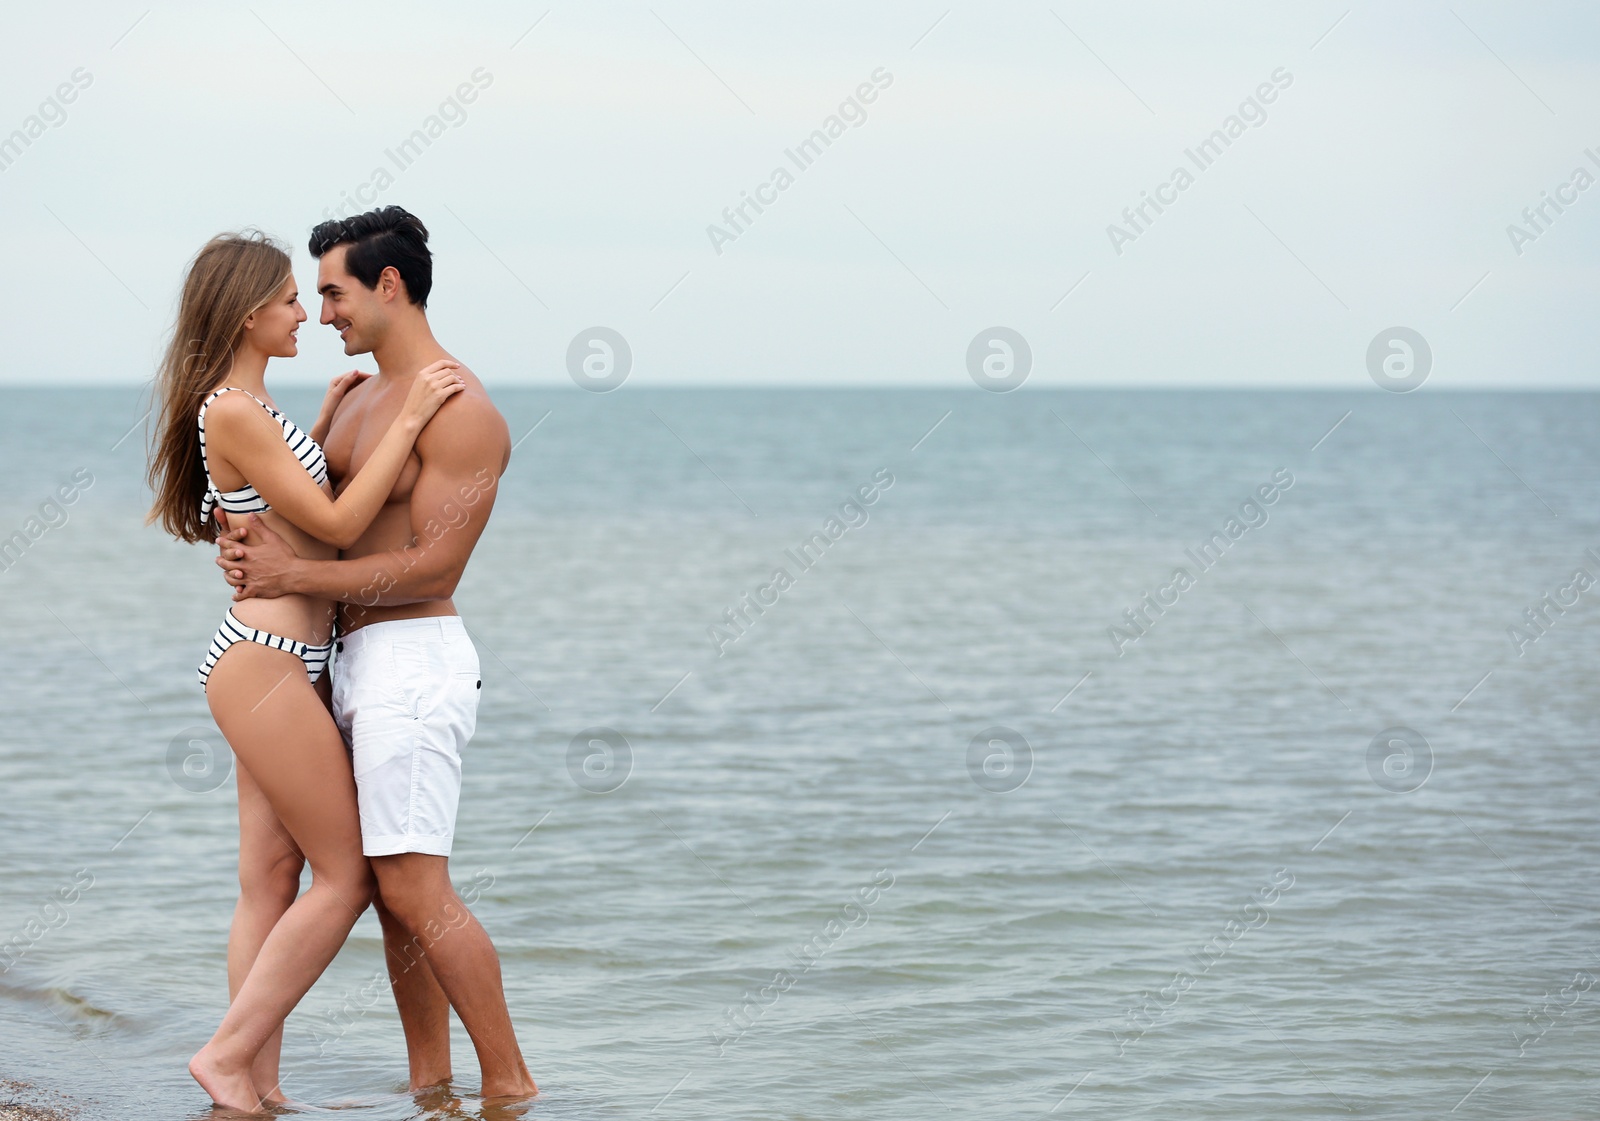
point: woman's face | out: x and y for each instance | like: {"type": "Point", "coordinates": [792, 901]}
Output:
{"type": "Point", "coordinates": [272, 329]}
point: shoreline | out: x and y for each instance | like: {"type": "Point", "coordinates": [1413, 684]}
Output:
{"type": "Point", "coordinates": [14, 1105]}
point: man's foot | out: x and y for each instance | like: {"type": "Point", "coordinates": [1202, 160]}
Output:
{"type": "Point", "coordinates": [231, 1090]}
{"type": "Point", "coordinates": [427, 1083]}
{"type": "Point", "coordinates": [436, 1098]}
{"type": "Point", "coordinates": [520, 1088]}
{"type": "Point", "coordinates": [507, 1105]}
{"type": "Point", "coordinates": [505, 1109]}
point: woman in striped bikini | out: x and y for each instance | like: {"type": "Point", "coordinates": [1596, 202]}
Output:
{"type": "Point", "coordinates": [220, 445]}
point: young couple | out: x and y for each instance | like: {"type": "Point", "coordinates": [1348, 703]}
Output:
{"type": "Point", "coordinates": [344, 543]}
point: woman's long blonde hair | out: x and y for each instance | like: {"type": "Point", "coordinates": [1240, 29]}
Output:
{"type": "Point", "coordinates": [233, 276]}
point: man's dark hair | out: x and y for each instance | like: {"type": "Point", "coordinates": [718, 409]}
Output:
{"type": "Point", "coordinates": [378, 239]}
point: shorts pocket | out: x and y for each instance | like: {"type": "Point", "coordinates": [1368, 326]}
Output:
{"type": "Point", "coordinates": [465, 669]}
{"type": "Point", "coordinates": [461, 654]}
{"type": "Point", "coordinates": [416, 673]}
{"type": "Point", "coordinates": [458, 707]}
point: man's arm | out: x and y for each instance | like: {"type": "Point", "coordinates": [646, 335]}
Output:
{"type": "Point", "coordinates": [462, 451]}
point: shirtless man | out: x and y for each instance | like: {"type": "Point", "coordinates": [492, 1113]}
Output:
{"type": "Point", "coordinates": [405, 674]}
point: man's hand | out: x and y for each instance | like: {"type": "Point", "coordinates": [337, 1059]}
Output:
{"type": "Point", "coordinates": [259, 571]}
{"type": "Point", "coordinates": [228, 538]}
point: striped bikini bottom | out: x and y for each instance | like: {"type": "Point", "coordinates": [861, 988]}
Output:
{"type": "Point", "coordinates": [232, 630]}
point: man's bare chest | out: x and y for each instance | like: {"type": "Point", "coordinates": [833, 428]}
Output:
{"type": "Point", "coordinates": [357, 429]}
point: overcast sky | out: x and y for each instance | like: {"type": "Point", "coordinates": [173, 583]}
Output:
{"type": "Point", "coordinates": [576, 189]}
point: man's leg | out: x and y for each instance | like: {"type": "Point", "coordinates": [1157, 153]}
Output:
{"type": "Point", "coordinates": [378, 731]}
{"type": "Point", "coordinates": [408, 693]}
{"type": "Point", "coordinates": [416, 890]}
{"type": "Point", "coordinates": [424, 1009]}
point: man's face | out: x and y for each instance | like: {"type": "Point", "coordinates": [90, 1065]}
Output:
{"type": "Point", "coordinates": [358, 313]}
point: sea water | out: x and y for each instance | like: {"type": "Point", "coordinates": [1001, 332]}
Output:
{"type": "Point", "coordinates": [1148, 754]}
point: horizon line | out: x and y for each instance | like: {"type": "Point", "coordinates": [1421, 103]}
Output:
{"type": "Point", "coordinates": [566, 386]}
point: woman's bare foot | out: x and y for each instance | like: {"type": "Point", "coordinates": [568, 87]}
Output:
{"type": "Point", "coordinates": [267, 1085]}
{"type": "Point", "coordinates": [230, 1090]}
{"type": "Point", "coordinates": [272, 1095]}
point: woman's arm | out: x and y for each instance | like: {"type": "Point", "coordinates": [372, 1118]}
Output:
{"type": "Point", "coordinates": [255, 448]}
{"type": "Point", "coordinates": [462, 456]}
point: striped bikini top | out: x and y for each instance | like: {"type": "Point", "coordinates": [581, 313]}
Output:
{"type": "Point", "coordinates": [245, 500]}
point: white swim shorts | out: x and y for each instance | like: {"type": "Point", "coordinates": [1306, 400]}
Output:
{"type": "Point", "coordinates": [405, 697]}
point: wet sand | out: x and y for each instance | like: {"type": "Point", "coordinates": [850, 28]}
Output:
{"type": "Point", "coordinates": [15, 1103]}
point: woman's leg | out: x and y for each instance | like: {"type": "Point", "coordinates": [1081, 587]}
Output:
{"type": "Point", "coordinates": [282, 734]}
{"type": "Point", "coordinates": [270, 864]}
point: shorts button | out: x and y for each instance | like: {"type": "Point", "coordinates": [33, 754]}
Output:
{"type": "Point", "coordinates": [480, 683]}
{"type": "Point", "coordinates": [340, 646]}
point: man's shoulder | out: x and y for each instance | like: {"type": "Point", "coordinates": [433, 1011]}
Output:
{"type": "Point", "coordinates": [468, 423]}
{"type": "Point", "coordinates": [471, 407]}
